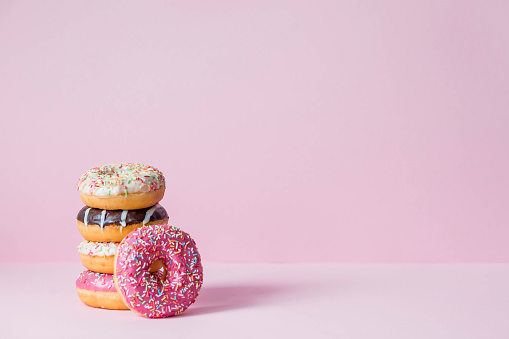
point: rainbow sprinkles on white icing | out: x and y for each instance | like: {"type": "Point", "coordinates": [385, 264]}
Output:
{"type": "Point", "coordinates": [118, 179]}
{"type": "Point", "coordinates": [98, 249]}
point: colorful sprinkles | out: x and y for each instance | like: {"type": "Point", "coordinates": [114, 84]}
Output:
{"type": "Point", "coordinates": [158, 295]}
{"type": "Point", "coordinates": [94, 281]}
{"type": "Point", "coordinates": [99, 249]}
{"type": "Point", "coordinates": [120, 179]}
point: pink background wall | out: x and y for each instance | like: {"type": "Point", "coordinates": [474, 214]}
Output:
{"type": "Point", "coordinates": [288, 131]}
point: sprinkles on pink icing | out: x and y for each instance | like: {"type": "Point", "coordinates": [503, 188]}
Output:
{"type": "Point", "coordinates": [117, 179]}
{"type": "Point", "coordinates": [94, 281]}
{"type": "Point", "coordinates": [156, 295]}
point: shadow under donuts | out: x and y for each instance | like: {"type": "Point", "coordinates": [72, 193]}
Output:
{"type": "Point", "coordinates": [214, 299]}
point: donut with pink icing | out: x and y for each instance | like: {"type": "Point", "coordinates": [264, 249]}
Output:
{"type": "Point", "coordinates": [164, 293]}
{"type": "Point", "coordinates": [98, 290]}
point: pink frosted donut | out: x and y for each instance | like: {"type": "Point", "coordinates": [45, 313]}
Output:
{"type": "Point", "coordinates": [160, 294]}
{"type": "Point", "coordinates": [98, 290]}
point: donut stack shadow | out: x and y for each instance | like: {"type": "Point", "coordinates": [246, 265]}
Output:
{"type": "Point", "coordinates": [103, 229]}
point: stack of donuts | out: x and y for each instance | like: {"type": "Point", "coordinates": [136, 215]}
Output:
{"type": "Point", "coordinates": [134, 260]}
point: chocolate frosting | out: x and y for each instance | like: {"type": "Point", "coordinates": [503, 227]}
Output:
{"type": "Point", "coordinates": [114, 217]}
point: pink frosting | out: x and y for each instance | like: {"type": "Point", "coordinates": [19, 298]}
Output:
{"type": "Point", "coordinates": [154, 295]}
{"type": "Point", "coordinates": [94, 281]}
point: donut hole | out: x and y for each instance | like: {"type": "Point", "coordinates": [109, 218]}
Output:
{"type": "Point", "coordinates": [160, 273]}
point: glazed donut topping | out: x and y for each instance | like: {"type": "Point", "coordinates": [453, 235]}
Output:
{"type": "Point", "coordinates": [118, 179]}
{"type": "Point", "coordinates": [94, 216]}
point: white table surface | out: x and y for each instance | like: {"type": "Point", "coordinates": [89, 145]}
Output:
{"type": "Point", "coordinates": [275, 301]}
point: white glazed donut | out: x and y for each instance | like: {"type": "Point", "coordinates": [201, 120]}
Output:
{"type": "Point", "coordinates": [122, 186]}
{"type": "Point", "coordinates": [100, 256]}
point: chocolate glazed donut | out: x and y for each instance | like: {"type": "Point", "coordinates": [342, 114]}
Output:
{"type": "Point", "coordinates": [113, 225]}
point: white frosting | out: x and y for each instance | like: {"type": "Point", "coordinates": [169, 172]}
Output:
{"type": "Point", "coordinates": [122, 219]}
{"type": "Point", "coordinates": [85, 218]}
{"type": "Point", "coordinates": [99, 249]}
{"type": "Point", "coordinates": [103, 215]}
{"type": "Point", "coordinates": [120, 179]}
{"type": "Point", "coordinates": [148, 214]}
